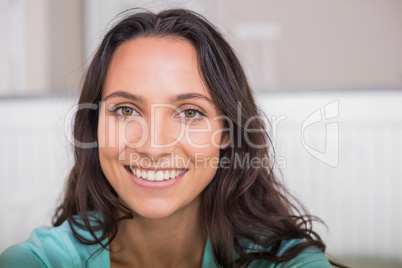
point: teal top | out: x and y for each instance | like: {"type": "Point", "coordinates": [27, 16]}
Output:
{"type": "Point", "coordinates": [57, 247]}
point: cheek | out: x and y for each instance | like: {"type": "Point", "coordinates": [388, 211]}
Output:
{"type": "Point", "coordinates": [116, 134]}
{"type": "Point", "coordinates": [106, 146]}
{"type": "Point", "coordinates": [133, 132]}
{"type": "Point", "coordinates": [197, 139]}
{"type": "Point", "coordinates": [108, 133]}
{"type": "Point", "coordinates": [203, 147]}
{"type": "Point", "coordinates": [204, 136]}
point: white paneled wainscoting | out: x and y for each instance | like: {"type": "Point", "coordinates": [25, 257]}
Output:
{"type": "Point", "coordinates": [338, 151]}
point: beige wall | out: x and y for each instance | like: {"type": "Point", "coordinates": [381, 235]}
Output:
{"type": "Point", "coordinates": [325, 43]}
{"type": "Point", "coordinates": [42, 47]}
{"type": "Point", "coordinates": [67, 59]}
{"type": "Point", "coordinates": [36, 63]}
{"type": "Point", "coordinates": [303, 44]}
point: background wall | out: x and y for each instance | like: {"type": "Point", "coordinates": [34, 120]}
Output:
{"type": "Point", "coordinates": [321, 44]}
{"type": "Point", "coordinates": [41, 46]}
{"type": "Point", "coordinates": [287, 44]}
{"type": "Point", "coordinates": [353, 183]}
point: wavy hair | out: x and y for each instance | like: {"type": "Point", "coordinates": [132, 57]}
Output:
{"type": "Point", "coordinates": [240, 202]}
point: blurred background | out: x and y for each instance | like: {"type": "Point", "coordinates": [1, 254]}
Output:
{"type": "Point", "coordinates": [328, 75]}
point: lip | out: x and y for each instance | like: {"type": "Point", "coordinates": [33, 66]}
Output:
{"type": "Point", "coordinates": [154, 185]}
{"type": "Point", "coordinates": [152, 168]}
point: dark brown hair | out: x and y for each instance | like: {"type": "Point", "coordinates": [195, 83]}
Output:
{"type": "Point", "coordinates": [247, 203]}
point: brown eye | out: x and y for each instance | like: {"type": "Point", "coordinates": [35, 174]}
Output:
{"type": "Point", "coordinates": [190, 113]}
{"type": "Point", "coordinates": [127, 111]}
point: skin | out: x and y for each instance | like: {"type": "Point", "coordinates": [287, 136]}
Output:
{"type": "Point", "coordinates": [167, 229]}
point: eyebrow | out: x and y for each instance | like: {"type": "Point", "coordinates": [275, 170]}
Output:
{"type": "Point", "coordinates": [191, 96]}
{"type": "Point", "coordinates": [125, 95]}
{"type": "Point", "coordinates": [180, 97]}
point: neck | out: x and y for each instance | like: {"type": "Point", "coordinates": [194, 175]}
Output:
{"type": "Point", "coordinates": [174, 241]}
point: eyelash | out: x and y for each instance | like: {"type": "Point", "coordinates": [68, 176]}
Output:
{"type": "Point", "coordinates": [196, 110]}
{"type": "Point", "coordinates": [116, 110]}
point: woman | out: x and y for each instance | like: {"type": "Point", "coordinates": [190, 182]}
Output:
{"type": "Point", "coordinates": [166, 184]}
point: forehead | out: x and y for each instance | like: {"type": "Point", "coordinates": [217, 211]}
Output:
{"type": "Point", "coordinates": [155, 66]}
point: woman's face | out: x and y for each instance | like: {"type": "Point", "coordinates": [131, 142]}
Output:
{"type": "Point", "coordinates": [159, 135]}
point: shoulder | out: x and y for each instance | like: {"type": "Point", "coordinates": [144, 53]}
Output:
{"type": "Point", "coordinates": [18, 256]}
{"type": "Point", "coordinates": [52, 247]}
{"type": "Point", "coordinates": [40, 250]}
{"type": "Point", "coordinates": [309, 258]}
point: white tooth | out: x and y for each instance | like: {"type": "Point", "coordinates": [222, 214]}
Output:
{"type": "Point", "coordinates": [173, 174]}
{"type": "Point", "coordinates": [138, 172]}
{"type": "Point", "coordinates": [167, 174]}
{"type": "Point", "coordinates": [144, 175]}
{"type": "Point", "coordinates": [151, 175]}
{"type": "Point", "coordinates": [159, 176]}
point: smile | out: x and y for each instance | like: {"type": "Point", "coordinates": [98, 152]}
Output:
{"type": "Point", "coordinates": [156, 175]}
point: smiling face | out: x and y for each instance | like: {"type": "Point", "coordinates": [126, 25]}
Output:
{"type": "Point", "coordinates": [158, 133]}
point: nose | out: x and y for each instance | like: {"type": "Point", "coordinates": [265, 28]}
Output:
{"type": "Point", "coordinates": [161, 136]}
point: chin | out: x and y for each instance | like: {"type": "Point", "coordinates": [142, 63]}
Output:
{"type": "Point", "coordinates": [153, 210]}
